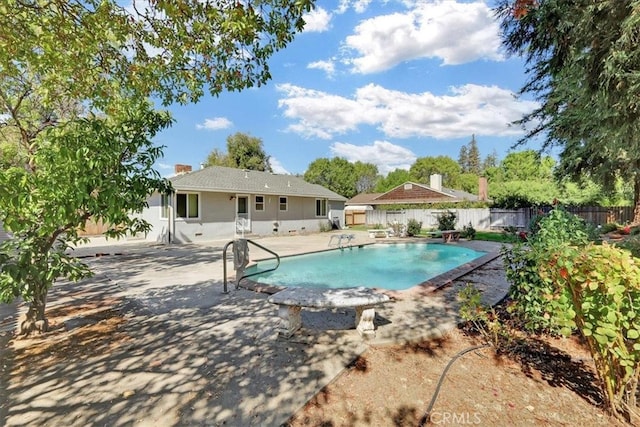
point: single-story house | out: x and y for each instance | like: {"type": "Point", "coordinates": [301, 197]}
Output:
{"type": "Point", "coordinates": [219, 202]}
{"type": "Point", "coordinates": [410, 193]}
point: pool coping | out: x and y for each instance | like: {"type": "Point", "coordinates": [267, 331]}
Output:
{"type": "Point", "coordinates": [431, 285]}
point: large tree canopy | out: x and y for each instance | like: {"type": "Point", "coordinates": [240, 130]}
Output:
{"type": "Point", "coordinates": [424, 167]}
{"type": "Point", "coordinates": [583, 65]}
{"type": "Point", "coordinates": [341, 176]}
{"type": "Point", "coordinates": [76, 122]}
{"type": "Point", "coordinates": [172, 50]}
{"type": "Point", "coordinates": [243, 152]}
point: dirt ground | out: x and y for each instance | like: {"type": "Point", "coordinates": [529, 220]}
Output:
{"type": "Point", "coordinates": [551, 383]}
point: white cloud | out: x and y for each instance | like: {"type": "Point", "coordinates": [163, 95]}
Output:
{"type": "Point", "coordinates": [316, 21]}
{"type": "Point", "coordinates": [277, 166]}
{"type": "Point", "coordinates": [455, 32]}
{"type": "Point", "coordinates": [385, 155]}
{"type": "Point", "coordinates": [327, 66]}
{"type": "Point", "coordinates": [359, 6]}
{"type": "Point", "coordinates": [215, 124]}
{"type": "Point", "coordinates": [165, 166]}
{"type": "Point", "coordinates": [481, 110]}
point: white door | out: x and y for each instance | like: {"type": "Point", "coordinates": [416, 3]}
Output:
{"type": "Point", "coordinates": [243, 221]}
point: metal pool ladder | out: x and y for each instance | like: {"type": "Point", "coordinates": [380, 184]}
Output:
{"type": "Point", "coordinates": [241, 259]}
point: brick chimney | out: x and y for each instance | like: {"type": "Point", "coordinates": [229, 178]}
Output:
{"type": "Point", "coordinates": [182, 169]}
{"type": "Point", "coordinates": [483, 189]}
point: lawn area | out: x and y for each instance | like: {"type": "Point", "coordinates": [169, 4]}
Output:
{"type": "Point", "coordinates": [490, 236]}
{"type": "Point", "coordinates": [493, 236]}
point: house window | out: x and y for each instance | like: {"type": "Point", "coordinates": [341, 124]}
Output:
{"type": "Point", "coordinates": [164, 206]}
{"type": "Point", "coordinates": [321, 207]}
{"type": "Point", "coordinates": [187, 205]}
{"type": "Point", "coordinates": [259, 203]}
{"type": "Point", "coordinates": [283, 202]}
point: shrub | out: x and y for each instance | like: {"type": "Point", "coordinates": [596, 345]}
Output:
{"type": "Point", "coordinates": [413, 227]}
{"type": "Point", "coordinates": [609, 227]}
{"type": "Point", "coordinates": [601, 286]}
{"type": "Point", "coordinates": [468, 232]}
{"type": "Point", "coordinates": [325, 226]}
{"type": "Point", "coordinates": [447, 220]}
{"type": "Point", "coordinates": [482, 319]}
{"type": "Point", "coordinates": [632, 244]}
{"type": "Point", "coordinates": [534, 223]}
{"type": "Point", "coordinates": [397, 228]}
{"type": "Point", "coordinates": [530, 294]}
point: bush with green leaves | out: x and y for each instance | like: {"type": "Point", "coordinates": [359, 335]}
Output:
{"type": "Point", "coordinates": [530, 294]}
{"type": "Point", "coordinates": [597, 288]}
{"type": "Point", "coordinates": [609, 227]}
{"type": "Point", "coordinates": [481, 318]}
{"type": "Point", "coordinates": [468, 232]}
{"type": "Point", "coordinates": [413, 227]}
{"type": "Point", "coordinates": [447, 220]}
{"type": "Point", "coordinates": [631, 244]}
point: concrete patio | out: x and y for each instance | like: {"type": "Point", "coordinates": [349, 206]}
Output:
{"type": "Point", "coordinates": [198, 356]}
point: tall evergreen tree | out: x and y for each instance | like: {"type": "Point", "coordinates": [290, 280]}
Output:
{"type": "Point", "coordinates": [463, 159]}
{"type": "Point", "coordinates": [583, 65]}
{"type": "Point", "coordinates": [491, 161]}
{"type": "Point", "coordinates": [473, 157]}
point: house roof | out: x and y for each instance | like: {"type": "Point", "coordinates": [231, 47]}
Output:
{"type": "Point", "coordinates": [221, 179]}
{"type": "Point", "coordinates": [363, 198]}
{"type": "Point", "coordinates": [412, 193]}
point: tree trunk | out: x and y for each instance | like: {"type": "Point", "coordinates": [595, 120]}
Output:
{"type": "Point", "coordinates": [636, 201]}
{"type": "Point", "coordinates": [35, 320]}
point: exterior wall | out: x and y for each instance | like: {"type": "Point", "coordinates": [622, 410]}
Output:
{"type": "Point", "coordinates": [218, 215]}
{"type": "Point", "coordinates": [159, 227]}
{"type": "Point", "coordinates": [336, 213]}
{"type": "Point", "coordinates": [216, 221]}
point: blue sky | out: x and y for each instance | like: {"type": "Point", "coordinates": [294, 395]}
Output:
{"type": "Point", "coordinates": [380, 82]}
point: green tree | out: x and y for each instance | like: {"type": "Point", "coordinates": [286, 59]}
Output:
{"type": "Point", "coordinates": [424, 167]}
{"type": "Point", "coordinates": [45, 202]}
{"type": "Point", "coordinates": [582, 65]}
{"type": "Point", "coordinates": [392, 180]}
{"type": "Point", "coordinates": [468, 182]}
{"type": "Point", "coordinates": [366, 177]}
{"type": "Point", "coordinates": [243, 152]}
{"type": "Point", "coordinates": [473, 162]}
{"type": "Point", "coordinates": [527, 165]}
{"type": "Point", "coordinates": [77, 125]}
{"type": "Point", "coordinates": [490, 162]}
{"type": "Point", "coordinates": [463, 158]}
{"type": "Point", "coordinates": [517, 194]}
{"type": "Point", "coordinates": [469, 157]}
{"type": "Point", "coordinates": [217, 158]}
{"type": "Point", "coordinates": [336, 174]}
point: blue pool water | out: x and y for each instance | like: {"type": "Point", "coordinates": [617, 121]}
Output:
{"type": "Point", "coordinates": [389, 266]}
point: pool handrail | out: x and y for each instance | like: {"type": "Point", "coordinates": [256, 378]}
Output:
{"type": "Point", "coordinates": [224, 263]}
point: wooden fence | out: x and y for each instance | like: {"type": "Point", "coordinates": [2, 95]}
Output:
{"type": "Point", "coordinates": [497, 219]}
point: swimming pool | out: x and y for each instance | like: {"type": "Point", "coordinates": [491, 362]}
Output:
{"type": "Point", "coordinates": [387, 266]}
